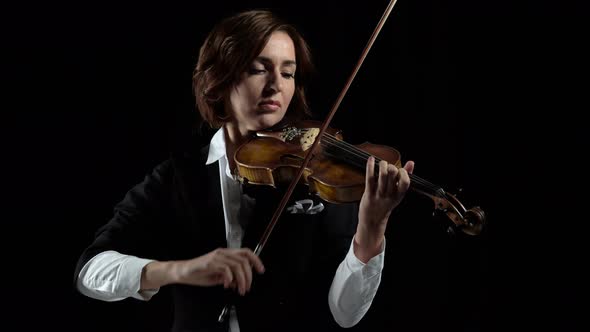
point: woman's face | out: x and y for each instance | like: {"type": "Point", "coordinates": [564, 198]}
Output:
{"type": "Point", "coordinates": [262, 95]}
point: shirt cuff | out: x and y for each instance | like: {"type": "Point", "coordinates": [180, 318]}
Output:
{"type": "Point", "coordinates": [372, 268]}
{"type": "Point", "coordinates": [130, 279]}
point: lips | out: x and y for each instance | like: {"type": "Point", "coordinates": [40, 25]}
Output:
{"type": "Point", "coordinates": [270, 105]}
{"type": "Point", "coordinates": [270, 102]}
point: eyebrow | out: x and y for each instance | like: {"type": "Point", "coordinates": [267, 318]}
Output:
{"type": "Point", "coordinates": [266, 60]}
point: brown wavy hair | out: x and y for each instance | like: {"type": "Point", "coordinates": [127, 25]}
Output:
{"type": "Point", "coordinates": [230, 48]}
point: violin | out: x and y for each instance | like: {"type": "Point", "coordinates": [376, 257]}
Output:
{"type": "Point", "coordinates": [336, 170]}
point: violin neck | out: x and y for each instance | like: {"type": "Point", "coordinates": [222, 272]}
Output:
{"type": "Point", "coordinates": [354, 156]}
{"type": "Point", "coordinates": [425, 187]}
{"type": "Point", "coordinates": [419, 184]}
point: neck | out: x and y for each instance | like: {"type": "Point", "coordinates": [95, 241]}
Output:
{"type": "Point", "coordinates": [234, 137]}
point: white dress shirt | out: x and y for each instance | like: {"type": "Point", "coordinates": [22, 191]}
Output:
{"type": "Point", "coordinates": [112, 276]}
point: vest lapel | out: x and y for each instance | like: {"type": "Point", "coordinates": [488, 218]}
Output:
{"type": "Point", "coordinates": [207, 198]}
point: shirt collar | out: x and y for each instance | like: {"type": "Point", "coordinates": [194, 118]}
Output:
{"type": "Point", "coordinates": [216, 147]}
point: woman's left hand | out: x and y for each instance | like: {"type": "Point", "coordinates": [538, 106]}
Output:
{"type": "Point", "coordinates": [383, 192]}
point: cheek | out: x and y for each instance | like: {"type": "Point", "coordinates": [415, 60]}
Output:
{"type": "Point", "coordinates": [251, 93]}
{"type": "Point", "coordinates": [290, 93]}
{"type": "Point", "coordinates": [235, 100]}
{"type": "Point", "coordinates": [242, 98]}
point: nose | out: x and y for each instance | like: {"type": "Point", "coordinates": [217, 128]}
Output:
{"type": "Point", "coordinates": [274, 82]}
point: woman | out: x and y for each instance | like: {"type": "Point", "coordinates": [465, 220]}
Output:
{"type": "Point", "coordinates": [191, 226]}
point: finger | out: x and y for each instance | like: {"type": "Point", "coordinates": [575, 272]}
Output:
{"type": "Point", "coordinates": [253, 259]}
{"type": "Point", "coordinates": [228, 277]}
{"type": "Point", "coordinates": [382, 185]}
{"type": "Point", "coordinates": [240, 278]}
{"type": "Point", "coordinates": [246, 268]}
{"type": "Point", "coordinates": [236, 269]}
{"type": "Point", "coordinates": [403, 181]}
{"type": "Point", "coordinates": [223, 274]}
{"type": "Point", "coordinates": [409, 167]}
{"type": "Point", "coordinates": [370, 175]}
{"type": "Point", "coordinates": [241, 269]}
{"type": "Point", "coordinates": [391, 179]}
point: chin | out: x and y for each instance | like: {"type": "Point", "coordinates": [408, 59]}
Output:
{"type": "Point", "coordinates": [267, 121]}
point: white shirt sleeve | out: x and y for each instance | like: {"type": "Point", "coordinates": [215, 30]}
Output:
{"type": "Point", "coordinates": [111, 276]}
{"type": "Point", "coordinates": [354, 287]}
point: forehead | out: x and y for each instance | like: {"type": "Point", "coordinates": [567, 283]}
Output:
{"type": "Point", "coordinates": [279, 48]}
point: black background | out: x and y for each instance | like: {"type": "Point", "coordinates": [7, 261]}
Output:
{"type": "Point", "coordinates": [484, 96]}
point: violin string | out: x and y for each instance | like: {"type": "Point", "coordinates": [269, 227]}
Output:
{"type": "Point", "coordinates": [361, 162]}
{"type": "Point", "coordinates": [356, 160]}
{"type": "Point", "coordinates": [363, 156]}
{"type": "Point", "coordinates": [356, 151]}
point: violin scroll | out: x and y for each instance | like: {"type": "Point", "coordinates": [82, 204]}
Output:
{"type": "Point", "coordinates": [469, 221]}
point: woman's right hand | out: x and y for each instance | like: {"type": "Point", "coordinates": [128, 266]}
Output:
{"type": "Point", "coordinates": [230, 267]}
{"type": "Point", "coordinates": [222, 266]}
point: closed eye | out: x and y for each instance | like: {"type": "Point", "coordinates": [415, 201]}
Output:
{"type": "Point", "coordinates": [255, 71]}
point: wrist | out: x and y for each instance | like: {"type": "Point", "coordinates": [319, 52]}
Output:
{"type": "Point", "coordinates": [157, 274]}
{"type": "Point", "coordinates": [368, 242]}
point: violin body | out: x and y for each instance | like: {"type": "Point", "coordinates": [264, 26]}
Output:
{"type": "Point", "coordinates": [271, 158]}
